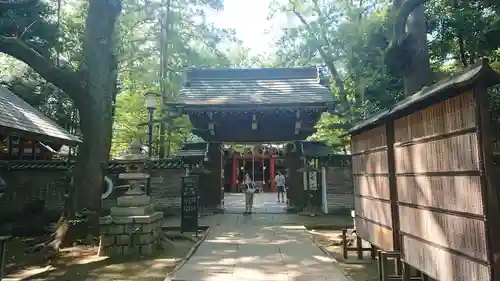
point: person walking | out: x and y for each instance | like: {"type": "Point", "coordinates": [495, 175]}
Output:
{"type": "Point", "coordinates": [249, 193]}
{"type": "Point", "coordinates": [280, 186]}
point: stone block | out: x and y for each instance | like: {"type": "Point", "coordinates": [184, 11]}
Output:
{"type": "Point", "coordinates": [131, 250]}
{"type": "Point", "coordinates": [106, 240]}
{"type": "Point", "coordinates": [128, 228]}
{"type": "Point", "coordinates": [148, 227]}
{"type": "Point", "coordinates": [105, 220]}
{"type": "Point", "coordinates": [104, 229]}
{"type": "Point", "coordinates": [115, 229]}
{"type": "Point", "coordinates": [133, 176]}
{"type": "Point", "coordinates": [156, 232]}
{"type": "Point", "coordinates": [133, 201]}
{"type": "Point", "coordinates": [111, 251]}
{"type": "Point", "coordinates": [149, 218]}
{"type": "Point", "coordinates": [123, 220]}
{"type": "Point", "coordinates": [143, 239]}
{"type": "Point", "coordinates": [147, 250]}
{"type": "Point", "coordinates": [103, 251]}
{"type": "Point", "coordinates": [132, 211]}
{"type": "Point", "coordinates": [123, 240]}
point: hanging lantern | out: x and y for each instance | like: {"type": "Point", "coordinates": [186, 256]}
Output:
{"type": "Point", "coordinates": [257, 151]}
{"type": "Point", "coordinates": [254, 122]}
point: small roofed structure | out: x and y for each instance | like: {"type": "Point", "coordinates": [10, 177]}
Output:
{"type": "Point", "coordinates": [254, 105]}
{"type": "Point", "coordinates": [18, 118]}
{"type": "Point", "coordinates": [425, 183]}
{"type": "Point", "coordinates": [194, 155]}
{"type": "Point", "coordinates": [315, 149]}
{"type": "Point", "coordinates": [195, 150]}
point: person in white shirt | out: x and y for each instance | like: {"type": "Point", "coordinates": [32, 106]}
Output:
{"type": "Point", "coordinates": [280, 186]}
{"type": "Point", "coordinates": [249, 193]}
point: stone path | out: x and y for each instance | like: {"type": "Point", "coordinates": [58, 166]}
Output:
{"type": "Point", "coordinates": [260, 247]}
{"type": "Point", "coordinates": [264, 203]}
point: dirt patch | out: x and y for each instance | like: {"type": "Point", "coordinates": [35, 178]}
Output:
{"type": "Point", "coordinates": [330, 240]}
{"type": "Point", "coordinates": [81, 263]}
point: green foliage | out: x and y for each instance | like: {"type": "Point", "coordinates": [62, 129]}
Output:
{"type": "Point", "coordinates": [191, 42]}
{"type": "Point", "coordinates": [353, 38]}
{"type": "Point", "coordinates": [31, 23]}
{"type": "Point", "coordinates": [45, 97]}
{"type": "Point", "coordinates": [463, 32]}
{"type": "Point", "coordinates": [130, 113]}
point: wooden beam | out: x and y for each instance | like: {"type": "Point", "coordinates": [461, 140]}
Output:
{"type": "Point", "coordinates": [488, 178]}
{"type": "Point", "coordinates": [393, 188]}
{"type": "Point", "coordinates": [35, 136]}
{"type": "Point", "coordinates": [211, 124]}
{"type": "Point", "coordinates": [256, 108]}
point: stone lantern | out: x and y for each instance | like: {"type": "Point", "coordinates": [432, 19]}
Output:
{"type": "Point", "coordinates": [133, 227]}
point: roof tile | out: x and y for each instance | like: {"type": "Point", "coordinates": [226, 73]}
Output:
{"type": "Point", "coordinates": [17, 114]}
{"type": "Point", "coordinates": [256, 86]}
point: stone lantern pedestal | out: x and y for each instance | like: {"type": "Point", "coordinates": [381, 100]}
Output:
{"type": "Point", "coordinates": [133, 227]}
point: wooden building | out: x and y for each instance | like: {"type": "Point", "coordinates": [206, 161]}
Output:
{"type": "Point", "coordinates": [26, 133]}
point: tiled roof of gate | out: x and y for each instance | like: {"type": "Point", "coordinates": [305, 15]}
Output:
{"type": "Point", "coordinates": [254, 86]}
{"type": "Point", "coordinates": [18, 115]}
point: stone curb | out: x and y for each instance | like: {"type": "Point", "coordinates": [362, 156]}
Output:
{"type": "Point", "coordinates": [328, 254]}
{"type": "Point", "coordinates": [327, 226]}
{"type": "Point", "coordinates": [188, 255]}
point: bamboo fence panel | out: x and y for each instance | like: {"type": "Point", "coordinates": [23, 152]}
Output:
{"type": "Point", "coordinates": [439, 192]}
{"type": "Point", "coordinates": [371, 186]}
{"type": "Point", "coordinates": [453, 193]}
{"type": "Point", "coordinates": [441, 264]}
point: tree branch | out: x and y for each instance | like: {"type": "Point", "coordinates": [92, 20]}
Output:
{"type": "Point", "coordinates": [63, 79]}
{"type": "Point", "coordinates": [339, 82]}
{"type": "Point", "coordinates": [402, 17]}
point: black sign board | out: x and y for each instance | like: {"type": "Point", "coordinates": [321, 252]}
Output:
{"type": "Point", "coordinates": [189, 204]}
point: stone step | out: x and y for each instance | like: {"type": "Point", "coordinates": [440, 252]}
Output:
{"type": "Point", "coordinates": [132, 211]}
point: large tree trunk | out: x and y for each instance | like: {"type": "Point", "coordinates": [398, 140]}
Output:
{"type": "Point", "coordinates": [99, 70]}
{"type": "Point", "coordinates": [409, 53]}
{"type": "Point", "coordinates": [164, 21]}
{"type": "Point", "coordinates": [419, 74]}
{"type": "Point", "coordinates": [92, 89]}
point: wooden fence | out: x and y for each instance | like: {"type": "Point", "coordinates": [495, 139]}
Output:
{"type": "Point", "coordinates": [424, 179]}
{"type": "Point", "coordinates": [47, 180]}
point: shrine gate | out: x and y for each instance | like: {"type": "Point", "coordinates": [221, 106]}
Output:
{"type": "Point", "coordinates": [252, 106]}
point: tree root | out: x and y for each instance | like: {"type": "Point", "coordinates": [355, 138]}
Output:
{"type": "Point", "coordinates": [168, 239]}
{"type": "Point", "coordinates": [53, 243]}
{"type": "Point", "coordinates": [165, 242]}
{"type": "Point", "coordinates": [180, 236]}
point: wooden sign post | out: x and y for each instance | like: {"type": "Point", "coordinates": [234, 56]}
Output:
{"type": "Point", "coordinates": [189, 204]}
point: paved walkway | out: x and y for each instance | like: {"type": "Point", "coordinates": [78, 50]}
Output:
{"type": "Point", "coordinates": [258, 247]}
{"type": "Point", "coordinates": [263, 203]}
